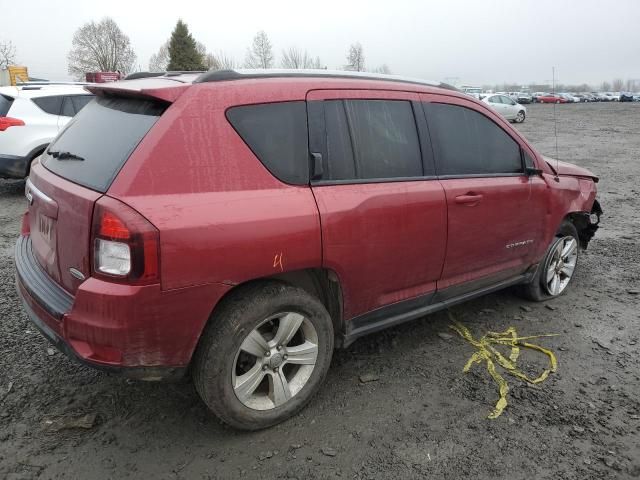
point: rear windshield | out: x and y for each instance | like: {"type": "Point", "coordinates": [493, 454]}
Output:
{"type": "Point", "coordinates": [5, 105]}
{"type": "Point", "coordinates": [95, 145]}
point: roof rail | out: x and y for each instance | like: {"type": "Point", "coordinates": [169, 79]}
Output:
{"type": "Point", "coordinates": [171, 73]}
{"type": "Point", "coordinates": [245, 74]}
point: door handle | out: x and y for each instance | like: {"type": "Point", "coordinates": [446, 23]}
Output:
{"type": "Point", "coordinates": [470, 199]}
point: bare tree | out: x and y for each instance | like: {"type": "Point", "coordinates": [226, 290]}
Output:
{"type": "Point", "coordinates": [209, 60]}
{"type": "Point", "coordinates": [618, 84]}
{"type": "Point", "coordinates": [606, 86]}
{"type": "Point", "coordinates": [317, 64]}
{"type": "Point", "coordinates": [7, 54]}
{"type": "Point", "coordinates": [260, 55]}
{"type": "Point", "coordinates": [384, 69]}
{"type": "Point", "coordinates": [225, 62]}
{"type": "Point", "coordinates": [159, 61]}
{"type": "Point", "coordinates": [296, 58]}
{"type": "Point", "coordinates": [100, 47]}
{"type": "Point", "coordinates": [355, 58]}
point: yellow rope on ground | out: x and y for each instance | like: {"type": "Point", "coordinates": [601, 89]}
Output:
{"type": "Point", "coordinates": [488, 353]}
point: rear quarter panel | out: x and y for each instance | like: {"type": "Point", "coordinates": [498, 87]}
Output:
{"type": "Point", "coordinates": [222, 216]}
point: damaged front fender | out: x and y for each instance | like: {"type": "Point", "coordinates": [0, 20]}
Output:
{"type": "Point", "coordinates": [587, 223]}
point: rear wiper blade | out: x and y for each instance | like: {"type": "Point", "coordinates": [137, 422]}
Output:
{"type": "Point", "coordinates": [66, 156]}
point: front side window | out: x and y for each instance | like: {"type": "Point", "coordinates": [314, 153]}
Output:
{"type": "Point", "coordinates": [469, 143]}
{"type": "Point", "coordinates": [371, 139]}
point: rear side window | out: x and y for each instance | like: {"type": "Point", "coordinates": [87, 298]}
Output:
{"type": "Point", "coordinates": [80, 101]}
{"type": "Point", "coordinates": [67, 108]}
{"type": "Point", "coordinates": [103, 135]}
{"type": "Point", "coordinates": [277, 135]}
{"type": "Point", "coordinates": [371, 139]}
{"type": "Point", "coordinates": [5, 105]}
{"type": "Point", "coordinates": [468, 143]}
{"type": "Point", "coordinates": [51, 104]}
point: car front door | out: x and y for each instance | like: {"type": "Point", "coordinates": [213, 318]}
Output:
{"type": "Point", "coordinates": [496, 103]}
{"type": "Point", "coordinates": [383, 212]}
{"type": "Point", "coordinates": [495, 211]}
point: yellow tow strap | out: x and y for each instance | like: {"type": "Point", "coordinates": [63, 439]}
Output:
{"type": "Point", "coordinates": [488, 353]}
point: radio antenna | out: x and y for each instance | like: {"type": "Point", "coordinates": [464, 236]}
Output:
{"type": "Point", "coordinates": [555, 120]}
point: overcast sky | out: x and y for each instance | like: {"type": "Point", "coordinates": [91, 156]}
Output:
{"type": "Point", "coordinates": [465, 41]}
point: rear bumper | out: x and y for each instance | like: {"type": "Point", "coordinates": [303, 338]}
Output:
{"type": "Point", "coordinates": [139, 332]}
{"type": "Point", "coordinates": [12, 166]}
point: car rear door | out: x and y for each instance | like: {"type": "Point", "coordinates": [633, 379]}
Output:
{"type": "Point", "coordinates": [495, 211]}
{"type": "Point", "coordinates": [383, 213]}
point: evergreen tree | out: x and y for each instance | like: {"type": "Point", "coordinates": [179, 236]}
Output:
{"type": "Point", "coordinates": [183, 52]}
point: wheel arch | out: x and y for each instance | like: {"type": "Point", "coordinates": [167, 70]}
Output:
{"type": "Point", "coordinates": [322, 283]}
{"type": "Point", "coordinates": [586, 223]}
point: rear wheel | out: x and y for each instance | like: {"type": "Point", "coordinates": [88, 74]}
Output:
{"type": "Point", "coordinates": [265, 353]}
{"type": "Point", "coordinates": [520, 116]}
{"type": "Point", "coordinates": [557, 268]}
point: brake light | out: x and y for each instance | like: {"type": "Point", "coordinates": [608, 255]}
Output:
{"type": "Point", "coordinates": [6, 122]}
{"type": "Point", "coordinates": [125, 245]}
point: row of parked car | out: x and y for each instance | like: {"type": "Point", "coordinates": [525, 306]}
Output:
{"type": "Point", "coordinates": [542, 97]}
{"type": "Point", "coordinates": [524, 98]}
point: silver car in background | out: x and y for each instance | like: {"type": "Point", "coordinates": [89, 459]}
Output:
{"type": "Point", "coordinates": [507, 107]}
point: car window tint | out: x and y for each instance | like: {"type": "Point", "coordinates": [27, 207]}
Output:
{"type": "Point", "coordinates": [67, 108]}
{"type": "Point", "coordinates": [340, 164]}
{"type": "Point", "coordinates": [277, 135]}
{"type": "Point", "coordinates": [5, 105]}
{"type": "Point", "coordinates": [371, 139]}
{"type": "Point", "coordinates": [495, 99]}
{"type": "Point", "coordinates": [80, 101]}
{"type": "Point", "coordinates": [51, 104]}
{"type": "Point", "coordinates": [103, 134]}
{"type": "Point", "coordinates": [528, 160]}
{"type": "Point", "coordinates": [469, 143]}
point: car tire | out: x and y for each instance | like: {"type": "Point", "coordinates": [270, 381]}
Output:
{"type": "Point", "coordinates": [520, 117]}
{"type": "Point", "coordinates": [541, 101]}
{"type": "Point", "coordinates": [540, 288]}
{"type": "Point", "coordinates": [256, 311]}
{"type": "Point", "coordinates": [557, 101]}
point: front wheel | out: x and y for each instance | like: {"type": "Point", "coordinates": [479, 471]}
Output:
{"type": "Point", "coordinates": [264, 354]}
{"type": "Point", "coordinates": [520, 116]}
{"type": "Point", "coordinates": [557, 268]}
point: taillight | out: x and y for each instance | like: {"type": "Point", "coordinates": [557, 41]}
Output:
{"type": "Point", "coordinates": [125, 245]}
{"type": "Point", "coordinates": [6, 122]}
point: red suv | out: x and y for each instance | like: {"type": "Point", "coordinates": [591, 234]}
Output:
{"type": "Point", "coordinates": [241, 224]}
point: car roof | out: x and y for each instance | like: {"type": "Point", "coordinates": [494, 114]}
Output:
{"type": "Point", "coordinates": [256, 74]}
{"type": "Point", "coordinates": [34, 91]}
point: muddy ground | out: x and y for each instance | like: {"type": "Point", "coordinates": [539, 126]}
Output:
{"type": "Point", "coordinates": [421, 418]}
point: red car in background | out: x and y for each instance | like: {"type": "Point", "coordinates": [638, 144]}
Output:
{"type": "Point", "coordinates": [237, 226]}
{"type": "Point", "coordinates": [552, 98]}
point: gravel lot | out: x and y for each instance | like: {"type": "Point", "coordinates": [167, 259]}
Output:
{"type": "Point", "coordinates": [422, 417]}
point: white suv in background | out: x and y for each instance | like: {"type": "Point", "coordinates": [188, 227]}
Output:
{"type": "Point", "coordinates": [31, 116]}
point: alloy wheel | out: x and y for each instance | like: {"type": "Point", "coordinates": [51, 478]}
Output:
{"type": "Point", "coordinates": [275, 361]}
{"type": "Point", "coordinates": [561, 265]}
